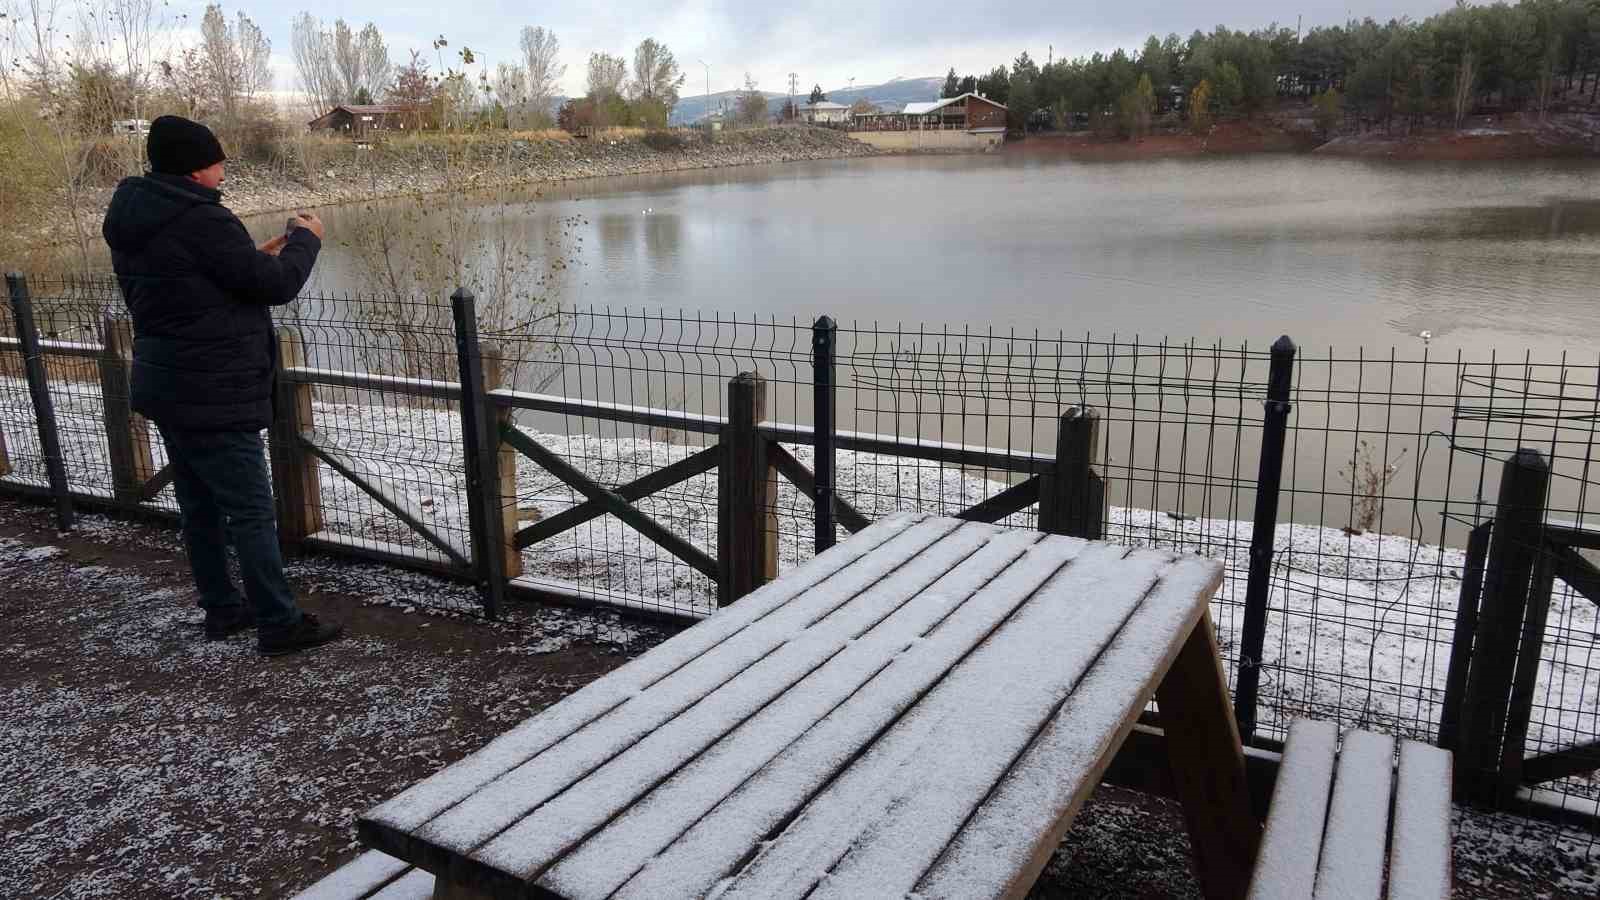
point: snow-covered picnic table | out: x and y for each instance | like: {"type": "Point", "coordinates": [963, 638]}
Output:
{"type": "Point", "coordinates": [920, 710]}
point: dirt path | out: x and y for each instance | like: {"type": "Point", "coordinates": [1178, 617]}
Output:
{"type": "Point", "coordinates": [142, 761]}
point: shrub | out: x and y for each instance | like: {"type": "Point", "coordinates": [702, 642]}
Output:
{"type": "Point", "coordinates": [109, 160]}
{"type": "Point", "coordinates": [664, 141]}
{"type": "Point", "coordinates": [260, 140]}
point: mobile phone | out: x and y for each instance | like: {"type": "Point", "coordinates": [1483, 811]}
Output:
{"type": "Point", "coordinates": [291, 225]}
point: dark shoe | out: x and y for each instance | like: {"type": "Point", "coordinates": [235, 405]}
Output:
{"type": "Point", "coordinates": [225, 623]}
{"type": "Point", "coordinates": [309, 632]}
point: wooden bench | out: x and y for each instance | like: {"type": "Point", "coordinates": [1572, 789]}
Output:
{"type": "Point", "coordinates": [375, 875]}
{"type": "Point", "coordinates": [1337, 818]}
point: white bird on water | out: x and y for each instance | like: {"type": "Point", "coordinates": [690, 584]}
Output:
{"type": "Point", "coordinates": [647, 211]}
{"type": "Point", "coordinates": [1425, 335]}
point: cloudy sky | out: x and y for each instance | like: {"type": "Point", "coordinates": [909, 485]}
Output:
{"type": "Point", "coordinates": [826, 41]}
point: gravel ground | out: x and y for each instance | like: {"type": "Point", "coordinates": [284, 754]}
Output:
{"type": "Point", "coordinates": [143, 761]}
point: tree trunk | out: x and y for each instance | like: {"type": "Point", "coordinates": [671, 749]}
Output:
{"type": "Point", "coordinates": [1464, 77]}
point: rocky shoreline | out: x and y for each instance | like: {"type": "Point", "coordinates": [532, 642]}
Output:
{"type": "Point", "coordinates": [330, 174]}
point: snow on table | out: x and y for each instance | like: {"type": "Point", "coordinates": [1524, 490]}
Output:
{"type": "Point", "coordinates": [906, 713]}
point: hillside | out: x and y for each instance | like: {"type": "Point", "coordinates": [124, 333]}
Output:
{"type": "Point", "coordinates": [891, 95]}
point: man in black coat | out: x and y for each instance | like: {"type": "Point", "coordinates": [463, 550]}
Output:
{"type": "Point", "coordinates": [200, 290]}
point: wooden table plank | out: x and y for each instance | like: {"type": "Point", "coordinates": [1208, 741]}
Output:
{"type": "Point", "coordinates": [466, 826]}
{"type": "Point", "coordinates": [543, 835]}
{"type": "Point", "coordinates": [1007, 842]}
{"type": "Point", "coordinates": [962, 735]}
{"type": "Point", "coordinates": [388, 825]}
{"type": "Point", "coordinates": [716, 844]}
{"type": "Point", "coordinates": [608, 858]}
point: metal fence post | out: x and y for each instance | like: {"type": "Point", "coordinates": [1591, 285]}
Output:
{"type": "Point", "coordinates": [1487, 734]}
{"type": "Point", "coordinates": [1269, 478]}
{"type": "Point", "coordinates": [127, 433]}
{"type": "Point", "coordinates": [1072, 498]}
{"type": "Point", "coordinates": [44, 411]}
{"type": "Point", "coordinates": [824, 338]}
{"type": "Point", "coordinates": [481, 445]}
{"type": "Point", "coordinates": [747, 525]}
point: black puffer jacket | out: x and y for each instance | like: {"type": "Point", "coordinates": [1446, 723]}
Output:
{"type": "Point", "coordinates": [203, 350]}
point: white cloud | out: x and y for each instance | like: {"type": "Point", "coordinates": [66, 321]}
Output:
{"type": "Point", "coordinates": [824, 41]}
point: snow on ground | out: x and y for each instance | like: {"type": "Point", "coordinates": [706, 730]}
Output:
{"type": "Point", "coordinates": [143, 761]}
{"type": "Point", "coordinates": [1358, 629]}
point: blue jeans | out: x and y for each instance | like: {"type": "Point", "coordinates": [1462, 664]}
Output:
{"type": "Point", "coordinates": [225, 494]}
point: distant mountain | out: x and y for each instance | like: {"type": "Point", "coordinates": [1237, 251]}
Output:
{"type": "Point", "coordinates": [891, 96]}
{"type": "Point", "coordinates": [693, 109]}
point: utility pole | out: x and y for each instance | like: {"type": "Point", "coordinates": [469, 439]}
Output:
{"type": "Point", "coordinates": [794, 85]}
{"type": "Point", "coordinates": [1050, 60]}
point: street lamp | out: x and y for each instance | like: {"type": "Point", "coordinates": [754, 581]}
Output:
{"type": "Point", "coordinates": [708, 94]}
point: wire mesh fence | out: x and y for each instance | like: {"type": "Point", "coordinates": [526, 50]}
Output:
{"type": "Point", "coordinates": [1389, 464]}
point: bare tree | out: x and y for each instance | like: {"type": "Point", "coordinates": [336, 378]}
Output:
{"type": "Point", "coordinates": [377, 70]}
{"type": "Point", "coordinates": [186, 79]}
{"type": "Point", "coordinates": [655, 73]}
{"type": "Point", "coordinates": [752, 108]}
{"type": "Point", "coordinates": [340, 65]}
{"type": "Point", "coordinates": [542, 68]}
{"type": "Point", "coordinates": [235, 61]}
{"type": "Point", "coordinates": [346, 61]}
{"type": "Point", "coordinates": [606, 75]}
{"type": "Point", "coordinates": [124, 39]}
{"type": "Point", "coordinates": [312, 50]}
{"type": "Point", "coordinates": [255, 56]}
{"type": "Point", "coordinates": [223, 68]}
{"type": "Point", "coordinates": [1466, 75]}
{"type": "Point", "coordinates": [35, 70]}
{"type": "Point", "coordinates": [511, 92]}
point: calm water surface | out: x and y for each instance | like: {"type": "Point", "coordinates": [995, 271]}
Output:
{"type": "Point", "coordinates": [1333, 252]}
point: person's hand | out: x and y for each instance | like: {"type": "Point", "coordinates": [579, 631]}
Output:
{"type": "Point", "coordinates": [310, 221]}
{"type": "Point", "coordinates": [272, 247]}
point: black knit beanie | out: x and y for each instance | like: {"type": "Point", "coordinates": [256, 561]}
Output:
{"type": "Point", "coordinates": [178, 146]}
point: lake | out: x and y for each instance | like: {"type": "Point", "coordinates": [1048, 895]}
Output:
{"type": "Point", "coordinates": [1333, 252]}
{"type": "Point", "coordinates": [1355, 260]}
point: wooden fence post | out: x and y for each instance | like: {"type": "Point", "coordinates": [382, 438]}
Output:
{"type": "Point", "coordinates": [747, 493]}
{"type": "Point", "coordinates": [1508, 580]}
{"type": "Point", "coordinates": [296, 487]}
{"type": "Point", "coordinates": [496, 374]}
{"type": "Point", "coordinates": [1072, 499]}
{"type": "Point", "coordinates": [1455, 681]}
{"type": "Point", "coordinates": [481, 445]}
{"type": "Point", "coordinates": [44, 410]}
{"type": "Point", "coordinates": [1263, 530]}
{"type": "Point", "coordinates": [127, 432]}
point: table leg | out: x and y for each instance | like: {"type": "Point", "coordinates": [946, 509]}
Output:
{"type": "Point", "coordinates": [1208, 765]}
